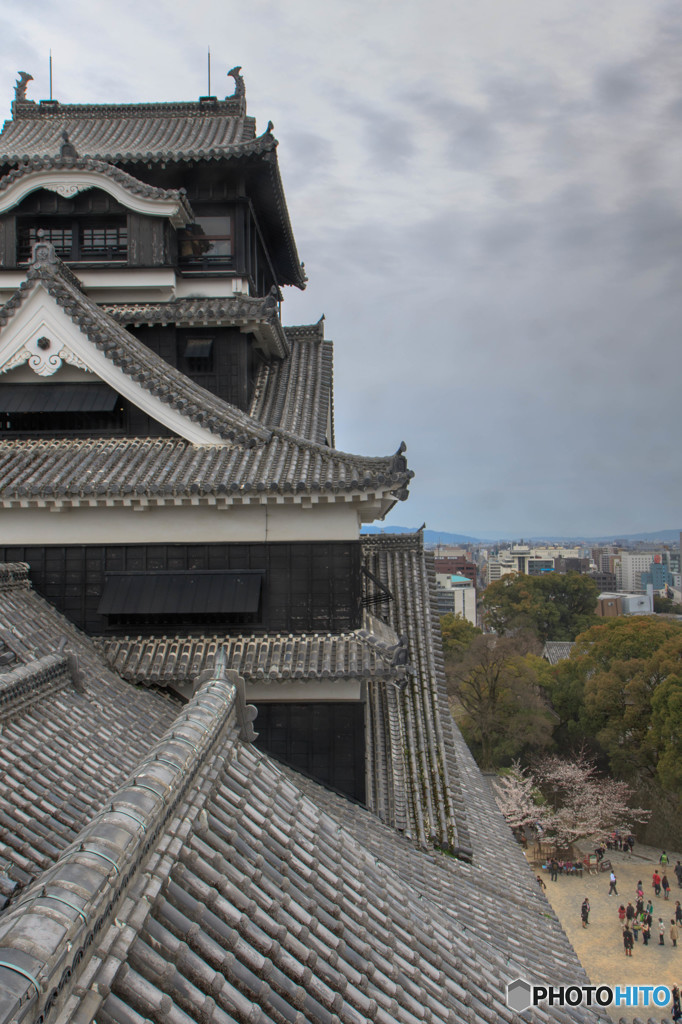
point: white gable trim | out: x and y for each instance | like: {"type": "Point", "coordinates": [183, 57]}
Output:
{"type": "Point", "coordinates": [40, 319]}
{"type": "Point", "coordinates": [69, 181]}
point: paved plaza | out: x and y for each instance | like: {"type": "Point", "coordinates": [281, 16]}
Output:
{"type": "Point", "coordinates": [600, 945]}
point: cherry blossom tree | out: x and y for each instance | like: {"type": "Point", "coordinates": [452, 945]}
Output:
{"type": "Point", "coordinates": [514, 796]}
{"type": "Point", "coordinates": [578, 801]}
{"type": "Point", "coordinates": [581, 802]}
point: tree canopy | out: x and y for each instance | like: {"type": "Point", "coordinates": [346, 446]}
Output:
{"type": "Point", "coordinates": [554, 606]}
{"type": "Point", "coordinates": [457, 632]}
{"type": "Point", "coordinates": [622, 689]}
{"type": "Point", "coordinates": [499, 701]}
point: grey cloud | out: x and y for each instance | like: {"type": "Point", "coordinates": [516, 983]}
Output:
{"type": "Point", "coordinates": [470, 135]}
{"type": "Point", "coordinates": [310, 150]}
{"type": "Point", "coordinates": [621, 85]}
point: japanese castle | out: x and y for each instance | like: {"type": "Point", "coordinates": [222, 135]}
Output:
{"type": "Point", "coordinates": [230, 786]}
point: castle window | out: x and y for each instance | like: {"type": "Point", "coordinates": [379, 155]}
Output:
{"type": "Point", "coordinates": [207, 242]}
{"type": "Point", "coordinates": [76, 241]}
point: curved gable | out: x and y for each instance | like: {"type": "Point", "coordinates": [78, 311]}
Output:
{"type": "Point", "coordinates": [70, 177]}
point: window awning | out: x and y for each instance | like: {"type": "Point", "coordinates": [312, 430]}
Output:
{"type": "Point", "coordinates": [32, 398]}
{"type": "Point", "coordinates": [198, 348]}
{"type": "Point", "coordinates": [181, 593]}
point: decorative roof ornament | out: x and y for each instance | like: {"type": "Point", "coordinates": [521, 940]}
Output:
{"type": "Point", "coordinates": [68, 150]}
{"type": "Point", "coordinates": [43, 252]}
{"type": "Point", "coordinates": [239, 87]}
{"type": "Point", "coordinates": [20, 86]}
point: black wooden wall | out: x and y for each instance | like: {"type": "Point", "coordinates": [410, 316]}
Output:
{"type": "Point", "coordinates": [325, 740]}
{"type": "Point", "coordinates": [307, 586]}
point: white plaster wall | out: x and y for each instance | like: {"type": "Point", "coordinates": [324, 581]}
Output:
{"type": "Point", "coordinates": [181, 525]}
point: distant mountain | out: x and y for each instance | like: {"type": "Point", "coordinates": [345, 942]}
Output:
{"type": "Point", "coordinates": [441, 537]}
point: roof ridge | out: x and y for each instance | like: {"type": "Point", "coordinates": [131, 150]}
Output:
{"type": "Point", "coordinates": [14, 575]}
{"type": "Point", "coordinates": [25, 683]}
{"type": "Point", "coordinates": [114, 846]}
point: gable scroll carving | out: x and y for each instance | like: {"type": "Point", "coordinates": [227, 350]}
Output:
{"type": "Point", "coordinates": [43, 358]}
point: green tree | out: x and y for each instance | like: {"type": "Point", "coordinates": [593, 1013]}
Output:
{"type": "Point", "coordinates": [666, 606]}
{"type": "Point", "coordinates": [553, 606]}
{"type": "Point", "coordinates": [498, 696]}
{"type": "Point", "coordinates": [458, 633]}
{"type": "Point", "coordinates": [627, 668]}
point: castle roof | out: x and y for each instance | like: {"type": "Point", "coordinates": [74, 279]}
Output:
{"type": "Point", "coordinates": [179, 872]}
{"type": "Point", "coordinates": [240, 457]}
{"type": "Point", "coordinates": [134, 132]}
{"type": "Point", "coordinates": [139, 134]}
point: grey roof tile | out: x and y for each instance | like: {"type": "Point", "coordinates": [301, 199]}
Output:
{"type": "Point", "coordinates": [296, 394]}
{"type": "Point", "coordinates": [555, 651]}
{"type": "Point", "coordinates": [140, 132]}
{"type": "Point", "coordinates": [423, 787]}
{"type": "Point", "coordinates": [266, 657]}
{"type": "Point", "coordinates": [63, 747]}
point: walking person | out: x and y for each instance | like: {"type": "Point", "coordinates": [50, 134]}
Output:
{"type": "Point", "coordinates": [661, 932]}
{"type": "Point", "coordinates": [677, 1007]}
{"type": "Point", "coordinates": [664, 860]}
{"type": "Point", "coordinates": [585, 912]}
{"type": "Point", "coordinates": [678, 874]}
{"type": "Point", "coordinates": [553, 870]}
{"type": "Point", "coordinates": [656, 882]}
{"type": "Point", "coordinates": [612, 884]}
{"type": "Point", "coordinates": [627, 941]}
{"type": "Point", "coordinates": [678, 912]}
{"type": "Point", "coordinates": [673, 931]}
{"type": "Point", "coordinates": [629, 913]}
{"type": "Point", "coordinates": [621, 914]}
{"type": "Point", "coordinates": [666, 887]}
{"type": "Point", "coordinates": [646, 930]}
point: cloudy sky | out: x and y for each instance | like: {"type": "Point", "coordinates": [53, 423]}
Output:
{"type": "Point", "coordinates": [488, 201]}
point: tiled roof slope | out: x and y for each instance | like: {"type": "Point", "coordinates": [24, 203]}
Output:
{"type": "Point", "coordinates": [435, 808]}
{"type": "Point", "coordinates": [147, 132]}
{"type": "Point", "coordinates": [70, 730]}
{"type": "Point", "coordinates": [555, 651]}
{"type": "Point", "coordinates": [273, 658]}
{"type": "Point", "coordinates": [297, 393]}
{"type": "Point", "coordinates": [160, 471]}
{"type": "Point", "coordinates": [497, 887]}
{"type": "Point", "coordinates": [214, 890]}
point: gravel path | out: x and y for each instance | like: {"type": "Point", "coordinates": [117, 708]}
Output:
{"type": "Point", "coordinates": [600, 945]}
